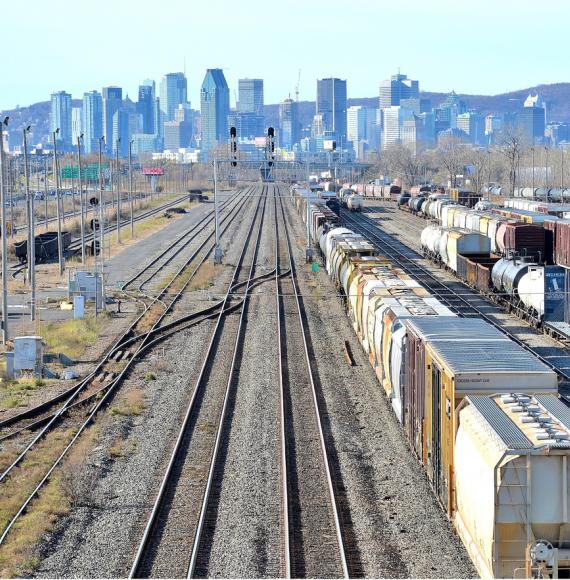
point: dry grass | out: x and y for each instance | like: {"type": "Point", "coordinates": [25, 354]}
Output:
{"type": "Point", "coordinates": [151, 316]}
{"type": "Point", "coordinates": [17, 553]}
{"type": "Point", "coordinates": [13, 393]}
{"type": "Point", "coordinates": [71, 337]}
{"type": "Point", "coordinates": [67, 487]}
{"type": "Point", "coordinates": [131, 404]}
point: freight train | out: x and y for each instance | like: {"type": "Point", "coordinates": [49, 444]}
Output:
{"type": "Point", "coordinates": [479, 412]}
{"type": "Point", "coordinates": [512, 255]}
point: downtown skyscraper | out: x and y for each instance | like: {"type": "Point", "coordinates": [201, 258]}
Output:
{"type": "Point", "coordinates": [60, 118]}
{"type": "Point", "coordinates": [331, 108]}
{"type": "Point", "coordinates": [215, 107]}
{"type": "Point", "coordinates": [112, 101]}
{"type": "Point", "coordinates": [289, 123]}
{"type": "Point", "coordinates": [92, 120]}
{"type": "Point", "coordinates": [173, 92]}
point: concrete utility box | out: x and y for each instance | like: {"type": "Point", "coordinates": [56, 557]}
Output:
{"type": "Point", "coordinates": [89, 285]}
{"type": "Point", "coordinates": [9, 364]}
{"type": "Point", "coordinates": [28, 354]}
{"type": "Point", "coordinates": [78, 307]}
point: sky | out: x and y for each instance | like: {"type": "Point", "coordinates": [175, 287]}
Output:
{"type": "Point", "coordinates": [470, 46]}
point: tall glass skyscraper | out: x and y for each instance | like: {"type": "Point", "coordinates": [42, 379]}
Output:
{"type": "Point", "coordinates": [215, 107]}
{"type": "Point", "coordinates": [173, 92]}
{"type": "Point", "coordinates": [331, 105]}
{"type": "Point", "coordinates": [60, 118]}
{"type": "Point", "coordinates": [146, 106]}
{"type": "Point", "coordinates": [112, 102]}
{"type": "Point", "coordinates": [251, 96]}
{"type": "Point", "coordinates": [289, 123]}
{"type": "Point", "coordinates": [92, 120]}
{"type": "Point", "coordinates": [396, 88]}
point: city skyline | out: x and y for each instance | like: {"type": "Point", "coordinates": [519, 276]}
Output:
{"type": "Point", "coordinates": [405, 45]}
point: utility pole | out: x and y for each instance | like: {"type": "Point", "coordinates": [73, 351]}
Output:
{"type": "Point", "coordinates": [56, 179]}
{"type": "Point", "coordinates": [4, 237]}
{"type": "Point", "coordinates": [309, 250]}
{"type": "Point", "coordinates": [217, 249]}
{"type": "Point", "coordinates": [532, 150]}
{"type": "Point", "coordinates": [81, 200]}
{"type": "Point", "coordinates": [46, 193]}
{"type": "Point", "coordinates": [117, 185]}
{"type": "Point", "coordinates": [101, 212]}
{"type": "Point", "coordinates": [31, 230]}
{"type": "Point", "coordinates": [131, 187]}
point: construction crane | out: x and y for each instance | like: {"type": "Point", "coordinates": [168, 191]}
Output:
{"type": "Point", "coordinates": [297, 86]}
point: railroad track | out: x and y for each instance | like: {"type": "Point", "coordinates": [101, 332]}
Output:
{"type": "Point", "coordinates": [172, 540]}
{"type": "Point", "coordinates": [313, 543]}
{"type": "Point", "coordinates": [77, 423]}
{"type": "Point", "coordinates": [38, 416]}
{"type": "Point", "coordinates": [452, 294]}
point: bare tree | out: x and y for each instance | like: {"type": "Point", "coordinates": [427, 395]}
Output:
{"type": "Point", "coordinates": [452, 153]}
{"type": "Point", "coordinates": [511, 149]}
{"type": "Point", "coordinates": [401, 161]}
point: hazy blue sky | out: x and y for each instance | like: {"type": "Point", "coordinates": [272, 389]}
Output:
{"type": "Point", "coordinates": [484, 46]}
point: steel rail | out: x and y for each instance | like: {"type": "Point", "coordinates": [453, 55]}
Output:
{"type": "Point", "coordinates": [166, 479]}
{"type": "Point", "coordinates": [120, 343]}
{"type": "Point", "coordinates": [102, 402]}
{"type": "Point", "coordinates": [286, 555]}
{"type": "Point", "coordinates": [316, 408]}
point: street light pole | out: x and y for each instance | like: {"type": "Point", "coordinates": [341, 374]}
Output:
{"type": "Point", "coordinates": [101, 213]}
{"type": "Point", "coordinates": [31, 229]}
{"type": "Point", "coordinates": [46, 192]}
{"type": "Point", "coordinates": [131, 187]}
{"type": "Point", "coordinates": [217, 249]}
{"type": "Point", "coordinates": [532, 150]}
{"type": "Point", "coordinates": [56, 179]}
{"type": "Point", "coordinates": [4, 237]}
{"type": "Point", "coordinates": [117, 185]}
{"type": "Point", "coordinates": [81, 200]}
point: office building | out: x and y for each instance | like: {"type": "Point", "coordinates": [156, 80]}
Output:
{"type": "Point", "coordinates": [250, 96]}
{"type": "Point", "coordinates": [396, 88]}
{"type": "Point", "coordinates": [473, 125]}
{"type": "Point", "coordinates": [493, 124]}
{"type": "Point", "coordinates": [289, 123]}
{"type": "Point", "coordinates": [92, 121]}
{"type": "Point", "coordinates": [173, 92]}
{"type": "Point", "coordinates": [362, 129]}
{"type": "Point", "coordinates": [112, 101]}
{"type": "Point", "coordinates": [531, 120]}
{"type": "Point", "coordinates": [76, 124]}
{"type": "Point", "coordinates": [331, 106]}
{"type": "Point", "coordinates": [121, 136]}
{"type": "Point", "coordinates": [60, 118]}
{"type": "Point", "coordinates": [146, 106]}
{"type": "Point", "coordinates": [392, 124]}
{"type": "Point", "coordinates": [143, 144]}
{"type": "Point", "coordinates": [215, 108]}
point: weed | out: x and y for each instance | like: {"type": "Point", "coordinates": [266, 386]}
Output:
{"type": "Point", "coordinates": [71, 337]}
{"type": "Point", "coordinates": [133, 403]}
{"type": "Point", "coordinates": [150, 377]}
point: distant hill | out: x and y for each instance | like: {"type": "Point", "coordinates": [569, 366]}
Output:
{"type": "Point", "coordinates": [556, 96]}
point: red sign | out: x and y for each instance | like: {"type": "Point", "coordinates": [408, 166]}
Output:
{"type": "Point", "coordinates": [153, 171]}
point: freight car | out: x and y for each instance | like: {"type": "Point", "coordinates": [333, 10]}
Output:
{"type": "Point", "coordinates": [46, 247]}
{"type": "Point", "coordinates": [355, 202]}
{"type": "Point", "coordinates": [433, 366]}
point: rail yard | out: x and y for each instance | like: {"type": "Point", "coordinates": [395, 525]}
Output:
{"type": "Point", "coordinates": [366, 413]}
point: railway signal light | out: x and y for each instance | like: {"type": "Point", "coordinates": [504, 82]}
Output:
{"type": "Point", "coordinates": [233, 145]}
{"type": "Point", "coordinates": [93, 201]}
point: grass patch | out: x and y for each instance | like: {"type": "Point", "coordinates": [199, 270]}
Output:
{"type": "Point", "coordinates": [132, 404]}
{"type": "Point", "coordinates": [67, 486]}
{"type": "Point", "coordinates": [150, 317]}
{"type": "Point", "coordinates": [150, 377]}
{"type": "Point", "coordinates": [13, 393]}
{"type": "Point", "coordinates": [71, 337]}
{"type": "Point", "coordinates": [17, 553]}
